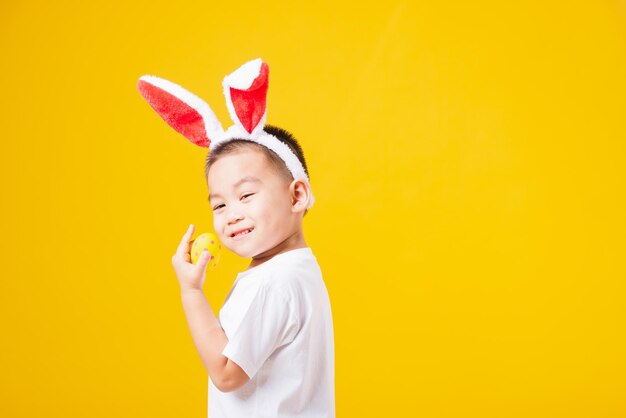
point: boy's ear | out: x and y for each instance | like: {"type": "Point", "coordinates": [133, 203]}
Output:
{"type": "Point", "coordinates": [300, 195]}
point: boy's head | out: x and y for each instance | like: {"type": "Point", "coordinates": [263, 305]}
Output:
{"type": "Point", "coordinates": [270, 202]}
{"type": "Point", "coordinates": [274, 204]}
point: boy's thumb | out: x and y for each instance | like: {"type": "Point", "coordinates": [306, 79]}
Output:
{"type": "Point", "coordinates": [204, 259]}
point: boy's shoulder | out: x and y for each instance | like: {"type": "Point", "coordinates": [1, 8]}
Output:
{"type": "Point", "coordinates": [289, 273]}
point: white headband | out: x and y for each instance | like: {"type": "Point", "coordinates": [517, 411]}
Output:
{"type": "Point", "coordinates": [245, 90]}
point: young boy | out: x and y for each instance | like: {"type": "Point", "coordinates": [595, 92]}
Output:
{"type": "Point", "coordinates": [271, 352]}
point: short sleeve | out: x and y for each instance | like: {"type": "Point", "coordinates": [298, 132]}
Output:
{"type": "Point", "coordinates": [268, 324]}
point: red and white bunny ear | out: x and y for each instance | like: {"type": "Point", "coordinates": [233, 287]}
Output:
{"type": "Point", "coordinates": [246, 91]}
{"type": "Point", "coordinates": [182, 110]}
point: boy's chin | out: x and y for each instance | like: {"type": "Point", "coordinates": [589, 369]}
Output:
{"type": "Point", "coordinates": [243, 253]}
{"type": "Point", "coordinates": [246, 253]}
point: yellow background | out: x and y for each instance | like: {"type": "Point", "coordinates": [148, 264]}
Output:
{"type": "Point", "coordinates": [468, 164]}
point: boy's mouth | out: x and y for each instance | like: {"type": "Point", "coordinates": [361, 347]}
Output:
{"type": "Point", "coordinates": [241, 233]}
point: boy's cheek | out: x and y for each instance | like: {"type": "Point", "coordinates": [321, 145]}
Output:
{"type": "Point", "coordinates": [217, 227]}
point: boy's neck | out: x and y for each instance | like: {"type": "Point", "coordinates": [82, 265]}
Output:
{"type": "Point", "coordinates": [293, 242]}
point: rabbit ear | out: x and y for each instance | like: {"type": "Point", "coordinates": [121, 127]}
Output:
{"type": "Point", "coordinates": [182, 110]}
{"type": "Point", "coordinates": [246, 90]}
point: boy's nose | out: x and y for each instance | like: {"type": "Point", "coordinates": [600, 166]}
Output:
{"type": "Point", "coordinates": [234, 217]}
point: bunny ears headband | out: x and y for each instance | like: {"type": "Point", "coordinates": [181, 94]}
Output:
{"type": "Point", "coordinates": [245, 90]}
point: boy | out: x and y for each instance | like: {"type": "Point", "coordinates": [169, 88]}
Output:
{"type": "Point", "coordinates": [271, 352]}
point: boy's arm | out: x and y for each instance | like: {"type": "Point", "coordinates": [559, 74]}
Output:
{"type": "Point", "coordinates": [210, 340]}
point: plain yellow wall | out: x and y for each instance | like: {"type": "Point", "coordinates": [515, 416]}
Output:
{"type": "Point", "coordinates": [468, 164]}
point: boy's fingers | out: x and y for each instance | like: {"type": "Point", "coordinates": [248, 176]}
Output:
{"type": "Point", "coordinates": [184, 242]}
{"type": "Point", "coordinates": [204, 259]}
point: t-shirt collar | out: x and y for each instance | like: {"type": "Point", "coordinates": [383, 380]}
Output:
{"type": "Point", "coordinates": [291, 253]}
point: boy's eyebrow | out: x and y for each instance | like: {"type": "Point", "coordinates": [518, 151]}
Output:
{"type": "Point", "coordinates": [246, 179]}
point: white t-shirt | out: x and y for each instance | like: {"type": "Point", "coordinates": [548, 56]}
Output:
{"type": "Point", "coordinates": [278, 321]}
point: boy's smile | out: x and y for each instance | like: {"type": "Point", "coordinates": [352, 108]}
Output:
{"type": "Point", "coordinates": [255, 213]}
{"type": "Point", "coordinates": [241, 233]}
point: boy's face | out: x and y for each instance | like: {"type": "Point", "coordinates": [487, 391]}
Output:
{"type": "Point", "coordinates": [246, 192]}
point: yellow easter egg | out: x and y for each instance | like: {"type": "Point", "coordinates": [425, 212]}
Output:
{"type": "Point", "coordinates": [209, 241]}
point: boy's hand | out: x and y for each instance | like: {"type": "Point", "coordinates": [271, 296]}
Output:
{"type": "Point", "coordinates": [190, 277]}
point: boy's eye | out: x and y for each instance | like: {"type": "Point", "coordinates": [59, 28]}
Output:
{"type": "Point", "coordinates": [221, 205]}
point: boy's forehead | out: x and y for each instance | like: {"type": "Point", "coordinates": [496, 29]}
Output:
{"type": "Point", "coordinates": [236, 164]}
{"type": "Point", "coordinates": [234, 170]}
